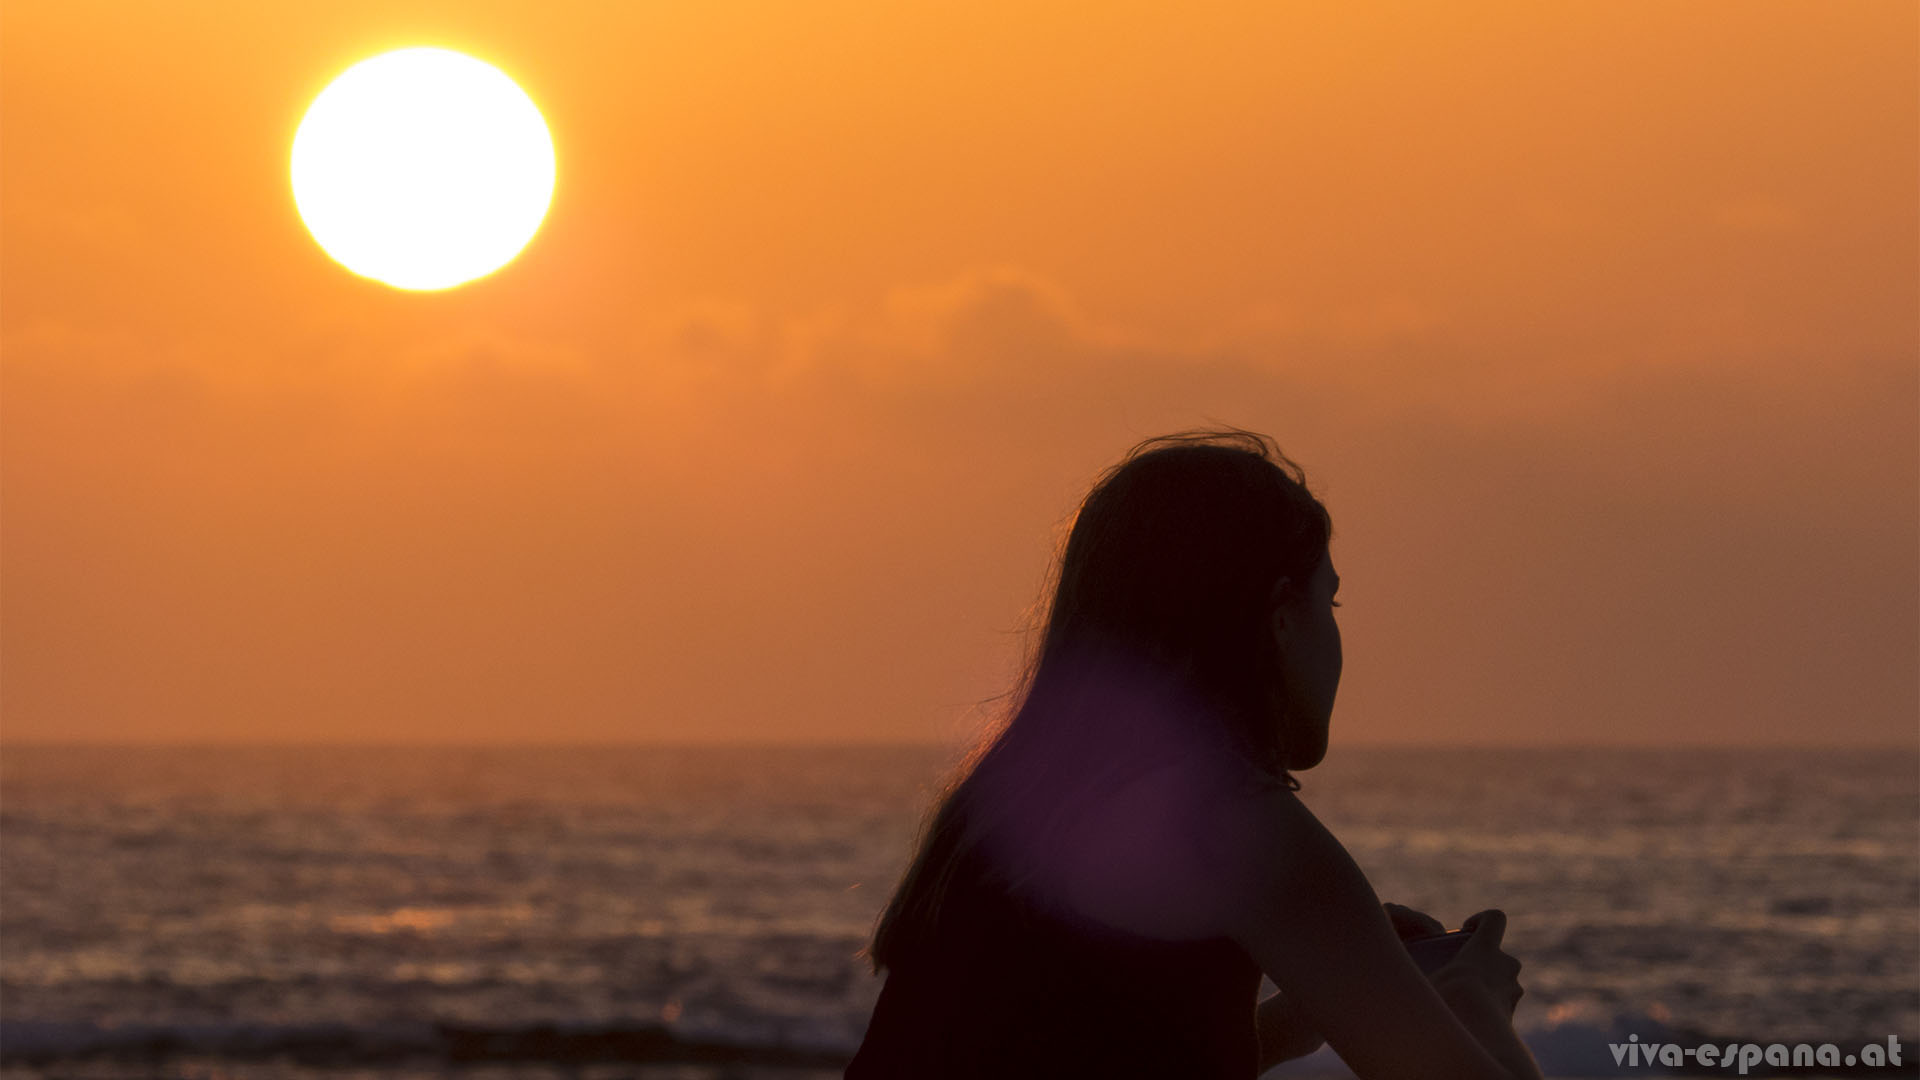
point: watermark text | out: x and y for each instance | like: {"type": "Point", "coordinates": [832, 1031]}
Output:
{"type": "Point", "coordinates": [1743, 1056]}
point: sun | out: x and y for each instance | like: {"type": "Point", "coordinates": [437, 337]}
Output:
{"type": "Point", "coordinates": [422, 168]}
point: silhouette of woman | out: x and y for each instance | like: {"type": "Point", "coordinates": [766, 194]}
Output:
{"type": "Point", "coordinates": [1102, 884]}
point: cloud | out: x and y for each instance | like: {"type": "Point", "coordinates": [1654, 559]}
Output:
{"type": "Point", "coordinates": [589, 536]}
{"type": "Point", "coordinates": [980, 327]}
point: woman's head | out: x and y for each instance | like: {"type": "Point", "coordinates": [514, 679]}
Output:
{"type": "Point", "coordinates": [1203, 555]}
{"type": "Point", "coordinates": [1189, 622]}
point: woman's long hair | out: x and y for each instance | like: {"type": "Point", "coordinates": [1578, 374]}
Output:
{"type": "Point", "coordinates": [1157, 647]}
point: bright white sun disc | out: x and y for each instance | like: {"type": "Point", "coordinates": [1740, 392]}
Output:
{"type": "Point", "coordinates": [422, 168]}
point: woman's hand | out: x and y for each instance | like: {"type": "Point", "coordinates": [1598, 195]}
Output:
{"type": "Point", "coordinates": [1480, 968]}
{"type": "Point", "coordinates": [1411, 924]}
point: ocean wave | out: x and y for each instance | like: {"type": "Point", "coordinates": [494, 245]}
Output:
{"type": "Point", "coordinates": [1576, 1048]}
{"type": "Point", "coordinates": [28, 1042]}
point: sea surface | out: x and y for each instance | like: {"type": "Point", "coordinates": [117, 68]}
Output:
{"type": "Point", "coordinates": [697, 913]}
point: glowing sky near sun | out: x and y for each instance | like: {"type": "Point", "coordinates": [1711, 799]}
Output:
{"type": "Point", "coordinates": [1592, 322]}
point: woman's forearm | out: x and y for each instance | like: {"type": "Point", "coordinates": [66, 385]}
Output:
{"type": "Point", "coordinates": [1492, 1027]}
{"type": "Point", "coordinates": [1285, 1033]}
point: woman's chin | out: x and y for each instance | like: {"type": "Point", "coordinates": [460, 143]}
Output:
{"type": "Point", "coordinates": [1307, 752]}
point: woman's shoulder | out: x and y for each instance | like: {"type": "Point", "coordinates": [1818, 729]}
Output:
{"type": "Point", "coordinates": [1255, 820]}
{"type": "Point", "coordinates": [1279, 866]}
{"type": "Point", "coordinates": [1163, 853]}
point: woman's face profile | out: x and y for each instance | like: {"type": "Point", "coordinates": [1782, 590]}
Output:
{"type": "Point", "coordinates": [1307, 639]}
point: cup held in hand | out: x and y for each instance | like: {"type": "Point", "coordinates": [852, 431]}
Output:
{"type": "Point", "coordinates": [1431, 953]}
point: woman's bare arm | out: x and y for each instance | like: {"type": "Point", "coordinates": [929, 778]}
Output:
{"type": "Point", "coordinates": [1285, 1032]}
{"type": "Point", "coordinates": [1300, 906]}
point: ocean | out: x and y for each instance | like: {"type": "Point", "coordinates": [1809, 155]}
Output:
{"type": "Point", "coordinates": [697, 913]}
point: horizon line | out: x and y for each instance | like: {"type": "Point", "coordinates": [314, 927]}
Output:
{"type": "Point", "coordinates": [855, 743]}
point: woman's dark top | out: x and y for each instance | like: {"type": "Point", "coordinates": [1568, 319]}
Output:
{"type": "Point", "coordinates": [1009, 988]}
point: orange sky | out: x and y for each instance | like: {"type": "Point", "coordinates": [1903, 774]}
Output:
{"type": "Point", "coordinates": [1593, 323]}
